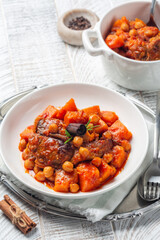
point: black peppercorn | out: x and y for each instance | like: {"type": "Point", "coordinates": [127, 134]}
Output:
{"type": "Point", "coordinates": [79, 23]}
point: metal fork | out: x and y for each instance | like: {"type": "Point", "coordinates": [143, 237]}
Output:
{"type": "Point", "coordinates": [148, 189]}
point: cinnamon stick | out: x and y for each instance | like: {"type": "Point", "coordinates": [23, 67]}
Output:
{"type": "Point", "coordinates": [16, 215]}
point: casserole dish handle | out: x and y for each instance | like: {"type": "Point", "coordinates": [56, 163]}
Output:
{"type": "Point", "coordinates": [88, 37]}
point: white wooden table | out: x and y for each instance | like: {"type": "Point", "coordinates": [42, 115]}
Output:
{"type": "Point", "coordinates": [32, 53]}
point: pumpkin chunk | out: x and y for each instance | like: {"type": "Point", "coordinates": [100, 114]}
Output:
{"type": "Point", "coordinates": [64, 179]}
{"type": "Point", "coordinates": [75, 117]}
{"type": "Point", "coordinates": [119, 156]}
{"type": "Point", "coordinates": [120, 132]}
{"type": "Point", "coordinates": [92, 110]}
{"type": "Point", "coordinates": [106, 171]}
{"type": "Point", "coordinates": [109, 117]}
{"type": "Point", "coordinates": [27, 133]}
{"type": "Point", "coordinates": [88, 177]}
{"type": "Point", "coordinates": [102, 127]}
{"type": "Point", "coordinates": [69, 106]}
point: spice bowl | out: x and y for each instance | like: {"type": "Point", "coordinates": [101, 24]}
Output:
{"type": "Point", "coordinates": [71, 25]}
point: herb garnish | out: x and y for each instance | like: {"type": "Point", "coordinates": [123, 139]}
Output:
{"type": "Point", "coordinates": [68, 135]}
{"type": "Point", "coordinates": [90, 127]}
{"type": "Point", "coordinates": [74, 127]}
{"type": "Point", "coordinates": [88, 123]}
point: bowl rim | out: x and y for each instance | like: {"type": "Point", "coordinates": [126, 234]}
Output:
{"type": "Point", "coordinates": [77, 10]}
{"type": "Point", "coordinates": [72, 196]}
{"type": "Point", "coordinates": [109, 49]}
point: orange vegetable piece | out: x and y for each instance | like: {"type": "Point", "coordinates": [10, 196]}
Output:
{"type": "Point", "coordinates": [106, 171]}
{"type": "Point", "coordinates": [109, 117]}
{"type": "Point", "coordinates": [61, 113]}
{"type": "Point", "coordinates": [75, 117]}
{"type": "Point", "coordinates": [49, 112]}
{"type": "Point", "coordinates": [27, 133]}
{"type": "Point", "coordinates": [88, 177]}
{"type": "Point", "coordinates": [119, 22]}
{"type": "Point", "coordinates": [92, 110]}
{"type": "Point", "coordinates": [119, 156]}
{"type": "Point", "coordinates": [69, 106]}
{"type": "Point", "coordinates": [119, 131]}
{"type": "Point", "coordinates": [102, 127]}
{"type": "Point", "coordinates": [64, 179]}
{"type": "Point", "coordinates": [126, 145]}
{"type": "Point", "coordinates": [113, 41]}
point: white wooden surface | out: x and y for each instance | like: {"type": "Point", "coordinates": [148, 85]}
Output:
{"type": "Point", "coordinates": [32, 53]}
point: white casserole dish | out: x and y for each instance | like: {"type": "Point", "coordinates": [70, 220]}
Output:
{"type": "Point", "coordinates": [132, 74]}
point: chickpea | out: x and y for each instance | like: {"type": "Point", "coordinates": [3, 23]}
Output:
{"type": "Point", "coordinates": [22, 145]}
{"type": "Point", "coordinates": [108, 157]}
{"type": "Point", "coordinates": [77, 141]}
{"type": "Point", "coordinates": [29, 164]}
{"type": "Point", "coordinates": [126, 145]}
{"type": "Point", "coordinates": [107, 135]}
{"type": "Point", "coordinates": [84, 152]}
{"type": "Point", "coordinates": [74, 187]}
{"type": "Point", "coordinates": [139, 24]}
{"type": "Point", "coordinates": [25, 154]}
{"type": "Point", "coordinates": [36, 169]}
{"type": "Point", "coordinates": [67, 166]}
{"type": "Point", "coordinates": [149, 33]}
{"type": "Point", "coordinates": [132, 32]}
{"type": "Point", "coordinates": [41, 160]}
{"type": "Point", "coordinates": [40, 176]}
{"type": "Point", "coordinates": [125, 27]}
{"type": "Point", "coordinates": [97, 161]}
{"type": "Point", "coordinates": [52, 178]}
{"type": "Point", "coordinates": [94, 118]}
{"type": "Point", "coordinates": [53, 128]}
{"type": "Point", "coordinates": [48, 171]}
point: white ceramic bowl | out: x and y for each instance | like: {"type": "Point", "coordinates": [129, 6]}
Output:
{"type": "Point", "coordinates": [23, 113]}
{"type": "Point", "coordinates": [132, 74]}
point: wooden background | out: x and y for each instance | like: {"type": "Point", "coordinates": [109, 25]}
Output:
{"type": "Point", "coordinates": [32, 53]}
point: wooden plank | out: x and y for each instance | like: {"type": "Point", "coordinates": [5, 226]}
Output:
{"type": "Point", "coordinates": [8, 84]}
{"type": "Point", "coordinates": [38, 54]}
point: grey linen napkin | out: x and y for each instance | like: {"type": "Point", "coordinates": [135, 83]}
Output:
{"type": "Point", "coordinates": [97, 207]}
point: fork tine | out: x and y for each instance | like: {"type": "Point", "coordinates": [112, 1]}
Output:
{"type": "Point", "coordinates": [152, 190]}
{"type": "Point", "coordinates": [145, 191]}
{"type": "Point", "coordinates": [149, 189]}
{"type": "Point", "coordinates": [157, 189]}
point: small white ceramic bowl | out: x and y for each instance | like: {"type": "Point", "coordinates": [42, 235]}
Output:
{"type": "Point", "coordinates": [70, 36]}
{"type": "Point", "coordinates": [132, 74]}
{"type": "Point", "coordinates": [23, 113]}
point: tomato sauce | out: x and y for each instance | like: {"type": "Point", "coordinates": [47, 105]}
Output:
{"type": "Point", "coordinates": [134, 39]}
{"type": "Point", "coordinates": [72, 150]}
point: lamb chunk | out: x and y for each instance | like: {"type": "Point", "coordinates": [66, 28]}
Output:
{"type": "Point", "coordinates": [96, 148]}
{"type": "Point", "coordinates": [49, 151]}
